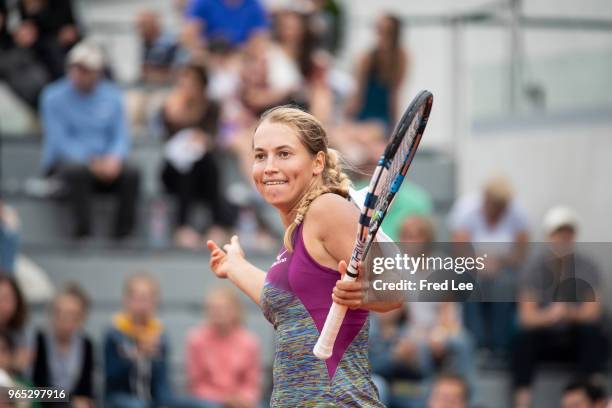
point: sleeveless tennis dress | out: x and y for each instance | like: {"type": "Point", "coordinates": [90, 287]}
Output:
{"type": "Point", "coordinates": [295, 299]}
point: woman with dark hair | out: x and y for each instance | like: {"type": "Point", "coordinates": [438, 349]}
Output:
{"type": "Point", "coordinates": [296, 38]}
{"type": "Point", "coordinates": [64, 353]}
{"type": "Point", "coordinates": [380, 75]}
{"type": "Point", "coordinates": [191, 122]}
{"type": "Point", "coordinates": [13, 317]}
{"type": "Point", "coordinates": [9, 378]}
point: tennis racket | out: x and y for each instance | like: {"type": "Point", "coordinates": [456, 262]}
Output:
{"type": "Point", "coordinates": [386, 181]}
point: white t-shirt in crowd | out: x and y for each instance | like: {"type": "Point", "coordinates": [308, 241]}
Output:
{"type": "Point", "coordinates": [467, 215]}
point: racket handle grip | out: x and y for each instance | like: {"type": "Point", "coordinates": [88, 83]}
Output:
{"type": "Point", "coordinates": [325, 344]}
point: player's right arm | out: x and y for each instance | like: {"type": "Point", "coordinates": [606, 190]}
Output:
{"type": "Point", "coordinates": [229, 263]}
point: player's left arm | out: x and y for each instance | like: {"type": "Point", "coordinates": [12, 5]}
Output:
{"type": "Point", "coordinates": [336, 228]}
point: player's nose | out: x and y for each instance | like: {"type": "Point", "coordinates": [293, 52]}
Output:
{"type": "Point", "coordinates": [270, 167]}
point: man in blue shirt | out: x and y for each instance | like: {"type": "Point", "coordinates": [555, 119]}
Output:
{"type": "Point", "coordinates": [229, 21]}
{"type": "Point", "coordinates": [86, 140]}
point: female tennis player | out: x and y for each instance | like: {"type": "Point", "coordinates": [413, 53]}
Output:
{"type": "Point", "coordinates": [296, 172]}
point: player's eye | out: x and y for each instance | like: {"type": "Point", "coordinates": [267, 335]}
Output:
{"type": "Point", "coordinates": [260, 156]}
{"type": "Point", "coordinates": [283, 154]}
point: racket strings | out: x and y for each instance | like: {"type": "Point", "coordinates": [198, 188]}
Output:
{"type": "Point", "coordinates": [385, 192]}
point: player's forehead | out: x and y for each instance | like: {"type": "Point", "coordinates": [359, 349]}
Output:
{"type": "Point", "coordinates": [274, 135]}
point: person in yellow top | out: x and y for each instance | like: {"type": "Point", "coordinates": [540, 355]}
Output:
{"type": "Point", "coordinates": [136, 350]}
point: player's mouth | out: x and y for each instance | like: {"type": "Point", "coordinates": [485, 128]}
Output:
{"type": "Point", "coordinates": [274, 182]}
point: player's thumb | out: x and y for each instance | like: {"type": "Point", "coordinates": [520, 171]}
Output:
{"type": "Point", "coordinates": [235, 242]}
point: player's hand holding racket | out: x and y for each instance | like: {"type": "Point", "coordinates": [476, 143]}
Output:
{"type": "Point", "coordinates": [222, 261]}
{"type": "Point", "coordinates": [349, 293]}
{"type": "Point", "coordinates": [385, 183]}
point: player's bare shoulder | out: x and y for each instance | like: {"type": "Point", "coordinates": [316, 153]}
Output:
{"type": "Point", "coordinates": [331, 212]}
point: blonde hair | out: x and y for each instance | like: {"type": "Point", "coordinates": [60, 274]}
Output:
{"type": "Point", "coordinates": [141, 277]}
{"type": "Point", "coordinates": [312, 135]}
{"type": "Point", "coordinates": [228, 293]}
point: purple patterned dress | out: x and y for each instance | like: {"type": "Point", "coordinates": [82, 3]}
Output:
{"type": "Point", "coordinates": [295, 299]}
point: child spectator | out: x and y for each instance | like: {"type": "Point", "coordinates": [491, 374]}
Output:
{"type": "Point", "coordinates": [13, 317]}
{"type": "Point", "coordinates": [190, 172]}
{"type": "Point", "coordinates": [560, 309]}
{"type": "Point", "coordinates": [136, 350]}
{"type": "Point", "coordinates": [86, 140]}
{"type": "Point", "coordinates": [223, 358]}
{"type": "Point", "coordinates": [64, 353]}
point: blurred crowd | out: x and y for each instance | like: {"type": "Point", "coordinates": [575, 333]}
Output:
{"type": "Point", "coordinates": [201, 88]}
{"type": "Point", "coordinates": [428, 353]}
{"type": "Point", "coordinates": [222, 358]}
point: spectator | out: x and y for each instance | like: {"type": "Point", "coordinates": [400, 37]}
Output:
{"type": "Point", "coordinates": [161, 51]}
{"type": "Point", "coordinates": [436, 327]}
{"type": "Point", "coordinates": [13, 318]}
{"type": "Point", "coordinates": [51, 29]}
{"type": "Point", "coordinates": [560, 309]}
{"type": "Point", "coordinates": [380, 75]}
{"type": "Point", "coordinates": [190, 172]}
{"type": "Point", "coordinates": [449, 391]}
{"type": "Point", "coordinates": [223, 358]}
{"type": "Point", "coordinates": [136, 350]}
{"type": "Point", "coordinates": [8, 377]}
{"type": "Point", "coordinates": [269, 77]}
{"type": "Point", "coordinates": [296, 38]}
{"type": "Point", "coordinates": [18, 65]}
{"type": "Point", "coordinates": [161, 58]}
{"type": "Point", "coordinates": [64, 353]}
{"type": "Point", "coordinates": [393, 358]}
{"type": "Point", "coordinates": [482, 219]}
{"type": "Point", "coordinates": [87, 140]}
{"type": "Point", "coordinates": [231, 21]}
{"type": "Point", "coordinates": [583, 394]}
{"type": "Point", "coordinates": [410, 200]}
{"type": "Point", "coordinates": [327, 22]}
{"type": "Point", "coordinates": [9, 237]}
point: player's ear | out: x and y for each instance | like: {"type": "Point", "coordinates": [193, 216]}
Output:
{"type": "Point", "coordinates": [318, 164]}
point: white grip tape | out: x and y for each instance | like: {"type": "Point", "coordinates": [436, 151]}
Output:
{"type": "Point", "coordinates": [325, 345]}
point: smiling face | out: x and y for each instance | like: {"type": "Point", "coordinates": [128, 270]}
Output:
{"type": "Point", "coordinates": [283, 168]}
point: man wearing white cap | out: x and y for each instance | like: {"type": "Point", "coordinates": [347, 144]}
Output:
{"type": "Point", "coordinates": [86, 139]}
{"type": "Point", "coordinates": [560, 308]}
